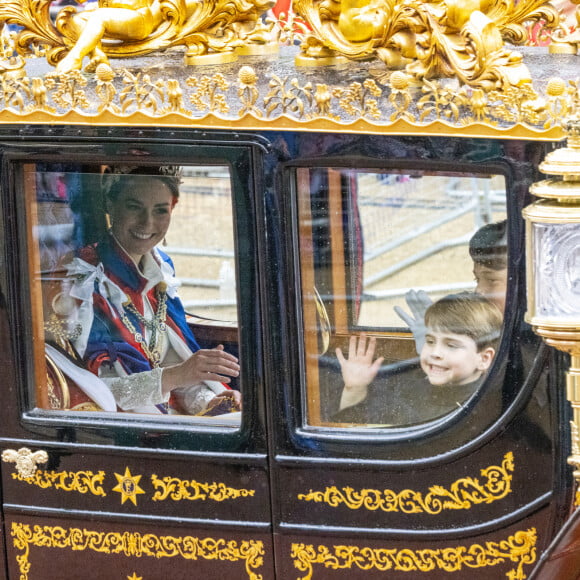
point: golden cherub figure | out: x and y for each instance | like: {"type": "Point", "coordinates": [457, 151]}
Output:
{"type": "Point", "coordinates": [125, 20]}
{"type": "Point", "coordinates": [443, 38]}
{"type": "Point", "coordinates": [362, 20]}
{"type": "Point", "coordinates": [211, 32]}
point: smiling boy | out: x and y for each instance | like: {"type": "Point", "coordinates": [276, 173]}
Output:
{"type": "Point", "coordinates": [488, 251]}
{"type": "Point", "coordinates": [460, 343]}
{"type": "Point", "coordinates": [463, 331]}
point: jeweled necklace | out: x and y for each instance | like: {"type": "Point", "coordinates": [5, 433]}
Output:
{"type": "Point", "coordinates": [155, 325]}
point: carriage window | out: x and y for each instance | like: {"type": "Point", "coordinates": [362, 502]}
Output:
{"type": "Point", "coordinates": [403, 280]}
{"type": "Point", "coordinates": [132, 272]}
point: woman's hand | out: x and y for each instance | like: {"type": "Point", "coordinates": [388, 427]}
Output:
{"type": "Point", "coordinates": [206, 364]}
{"type": "Point", "coordinates": [359, 370]}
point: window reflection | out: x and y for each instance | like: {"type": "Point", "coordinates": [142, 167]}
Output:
{"type": "Point", "coordinates": [118, 337]}
{"type": "Point", "coordinates": [411, 272]}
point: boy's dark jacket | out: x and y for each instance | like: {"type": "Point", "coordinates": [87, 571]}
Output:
{"type": "Point", "coordinates": [406, 399]}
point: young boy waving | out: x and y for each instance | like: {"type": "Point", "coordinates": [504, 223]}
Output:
{"type": "Point", "coordinates": [462, 333]}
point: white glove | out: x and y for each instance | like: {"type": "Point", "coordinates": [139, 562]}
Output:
{"type": "Point", "coordinates": [418, 301]}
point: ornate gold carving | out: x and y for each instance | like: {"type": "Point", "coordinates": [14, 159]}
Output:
{"type": "Point", "coordinates": [129, 28]}
{"type": "Point", "coordinates": [519, 548]}
{"type": "Point", "coordinates": [442, 39]}
{"type": "Point", "coordinates": [10, 64]}
{"type": "Point", "coordinates": [79, 481]}
{"type": "Point", "coordinates": [208, 93]}
{"type": "Point", "coordinates": [26, 460]}
{"type": "Point", "coordinates": [442, 102]}
{"type": "Point", "coordinates": [134, 577]}
{"type": "Point", "coordinates": [134, 544]}
{"type": "Point", "coordinates": [284, 100]}
{"type": "Point", "coordinates": [357, 99]}
{"type": "Point", "coordinates": [128, 486]}
{"type": "Point", "coordinates": [248, 92]}
{"type": "Point", "coordinates": [463, 494]}
{"type": "Point", "coordinates": [566, 39]}
{"type": "Point", "coordinates": [141, 93]}
{"type": "Point", "coordinates": [370, 106]}
{"type": "Point", "coordinates": [178, 489]}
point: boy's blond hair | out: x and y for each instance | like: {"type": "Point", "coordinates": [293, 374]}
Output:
{"type": "Point", "coordinates": [466, 313]}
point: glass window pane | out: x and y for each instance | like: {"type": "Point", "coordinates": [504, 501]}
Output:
{"type": "Point", "coordinates": [395, 266]}
{"type": "Point", "coordinates": [106, 246]}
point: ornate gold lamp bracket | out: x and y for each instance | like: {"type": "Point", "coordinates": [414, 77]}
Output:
{"type": "Point", "coordinates": [553, 268]}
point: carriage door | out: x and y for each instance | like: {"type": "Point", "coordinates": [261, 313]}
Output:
{"type": "Point", "coordinates": [390, 467]}
{"type": "Point", "coordinates": [93, 487]}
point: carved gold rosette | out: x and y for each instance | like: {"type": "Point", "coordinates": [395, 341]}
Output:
{"type": "Point", "coordinates": [136, 545]}
{"type": "Point", "coordinates": [519, 549]}
{"type": "Point", "coordinates": [463, 494]}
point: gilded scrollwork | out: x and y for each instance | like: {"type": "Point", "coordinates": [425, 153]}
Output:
{"type": "Point", "coordinates": [557, 105]}
{"type": "Point", "coordinates": [463, 494]}
{"type": "Point", "coordinates": [517, 105]}
{"type": "Point", "coordinates": [79, 481]}
{"type": "Point", "coordinates": [105, 89]}
{"type": "Point", "coordinates": [400, 97]}
{"type": "Point", "coordinates": [209, 93]}
{"type": "Point", "coordinates": [16, 93]}
{"type": "Point", "coordinates": [441, 102]}
{"type": "Point", "coordinates": [134, 544]}
{"type": "Point", "coordinates": [250, 96]}
{"type": "Point", "coordinates": [430, 39]}
{"type": "Point", "coordinates": [142, 93]}
{"type": "Point", "coordinates": [70, 90]}
{"type": "Point", "coordinates": [518, 549]}
{"type": "Point", "coordinates": [248, 92]}
{"type": "Point", "coordinates": [360, 99]}
{"type": "Point", "coordinates": [178, 489]}
{"type": "Point", "coordinates": [282, 99]}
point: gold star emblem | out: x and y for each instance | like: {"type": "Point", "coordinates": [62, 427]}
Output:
{"type": "Point", "coordinates": [128, 486]}
{"type": "Point", "coordinates": [134, 577]}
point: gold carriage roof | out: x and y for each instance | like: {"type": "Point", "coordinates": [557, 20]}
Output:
{"type": "Point", "coordinates": [319, 79]}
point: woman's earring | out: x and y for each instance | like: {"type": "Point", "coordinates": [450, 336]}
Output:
{"type": "Point", "coordinates": [164, 241]}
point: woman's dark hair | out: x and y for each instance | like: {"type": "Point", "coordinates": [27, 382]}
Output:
{"type": "Point", "coordinates": [114, 178]}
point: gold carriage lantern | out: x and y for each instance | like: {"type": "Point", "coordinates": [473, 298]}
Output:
{"type": "Point", "coordinates": [553, 233]}
{"type": "Point", "coordinates": [553, 265]}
